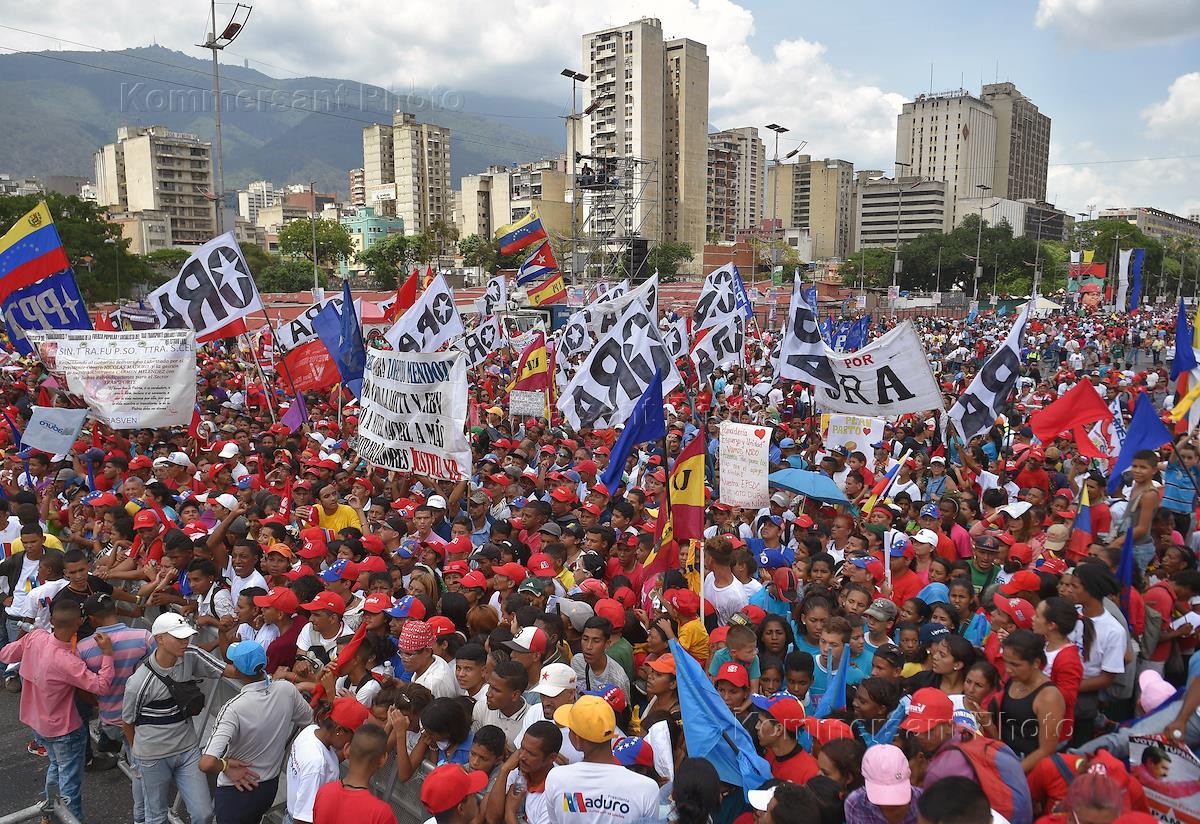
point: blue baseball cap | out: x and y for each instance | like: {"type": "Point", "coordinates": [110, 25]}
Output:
{"type": "Point", "coordinates": [931, 511]}
{"type": "Point", "coordinates": [248, 657]}
{"type": "Point", "coordinates": [406, 606]}
{"type": "Point", "coordinates": [772, 559]}
{"type": "Point", "coordinates": [935, 593]}
{"type": "Point", "coordinates": [861, 562]}
{"type": "Point", "coordinates": [930, 633]}
{"type": "Point", "coordinates": [899, 547]}
{"type": "Point", "coordinates": [334, 573]}
{"type": "Point", "coordinates": [407, 549]}
{"type": "Point", "coordinates": [631, 751]}
{"type": "Point", "coordinates": [786, 443]}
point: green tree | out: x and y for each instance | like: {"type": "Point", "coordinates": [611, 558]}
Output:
{"type": "Point", "coordinates": [876, 262]}
{"type": "Point", "coordinates": [94, 246]}
{"type": "Point", "coordinates": [287, 275]}
{"type": "Point", "coordinates": [665, 259]}
{"type": "Point", "coordinates": [258, 258]}
{"type": "Point", "coordinates": [333, 241]}
{"type": "Point", "coordinates": [170, 258]}
{"type": "Point", "coordinates": [442, 235]}
{"type": "Point", "coordinates": [485, 253]}
{"type": "Point", "coordinates": [387, 259]}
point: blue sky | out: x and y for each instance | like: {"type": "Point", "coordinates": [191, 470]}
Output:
{"type": "Point", "coordinates": [1119, 78]}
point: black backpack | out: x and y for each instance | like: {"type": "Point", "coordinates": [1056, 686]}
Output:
{"type": "Point", "coordinates": [187, 695]}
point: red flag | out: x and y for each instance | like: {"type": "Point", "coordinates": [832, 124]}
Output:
{"type": "Point", "coordinates": [104, 322]}
{"type": "Point", "coordinates": [406, 296]}
{"type": "Point", "coordinates": [1079, 406]}
{"type": "Point", "coordinates": [344, 657]}
{"type": "Point", "coordinates": [533, 367]}
{"type": "Point", "coordinates": [311, 367]}
{"type": "Point", "coordinates": [685, 485]}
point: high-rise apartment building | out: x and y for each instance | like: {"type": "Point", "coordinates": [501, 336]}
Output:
{"type": "Point", "coordinates": [504, 194]}
{"type": "Point", "coordinates": [649, 120]}
{"type": "Point", "coordinates": [151, 168]}
{"type": "Point", "coordinates": [1022, 144]}
{"type": "Point", "coordinates": [406, 171]}
{"type": "Point", "coordinates": [817, 196]}
{"type": "Point", "coordinates": [257, 195]}
{"type": "Point", "coordinates": [738, 158]}
{"type": "Point", "coordinates": [950, 136]}
{"type": "Point", "coordinates": [358, 187]}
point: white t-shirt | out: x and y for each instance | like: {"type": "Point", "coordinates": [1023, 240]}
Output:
{"type": "Point", "coordinates": [438, 679]}
{"type": "Point", "coordinates": [751, 587]}
{"type": "Point", "coordinates": [725, 600]}
{"type": "Point", "coordinates": [39, 599]}
{"type": "Point", "coordinates": [310, 639]}
{"type": "Point", "coordinates": [586, 793]}
{"type": "Point", "coordinates": [1108, 648]}
{"type": "Point", "coordinates": [236, 584]}
{"type": "Point", "coordinates": [567, 750]}
{"type": "Point", "coordinates": [26, 581]}
{"type": "Point", "coordinates": [536, 808]}
{"type": "Point", "coordinates": [264, 635]}
{"type": "Point", "coordinates": [10, 533]}
{"type": "Point", "coordinates": [310, 766]}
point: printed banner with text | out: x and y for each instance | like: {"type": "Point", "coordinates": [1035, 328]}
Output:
{"type": "Point", "coordinates": [414, 409]}
{"type": "Point", "coordinates": [129, 380]}
{"type": "Point", "coordinates": [742, 457]}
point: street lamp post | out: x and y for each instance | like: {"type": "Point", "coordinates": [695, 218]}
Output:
{"type": "Point", "coordinates": [896, 250]}
{"type": "Point", "coordinates": [216, 42]}
{"type": "Point", "coordinates": [775, 127]}
{"type": "Point", "coordinates": [312, 222]}
{"type": "Point", "coordinates": [572, 136]}
{"type": "Point", "coordinates": [117, 260]}
{"type": "Point", "coordinates": [979, 243]}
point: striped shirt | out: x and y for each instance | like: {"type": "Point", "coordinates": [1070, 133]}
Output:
{"type": "Point", "coordinates": [130, 646]}
{"type": "Point", "coordinates": [162, 727]}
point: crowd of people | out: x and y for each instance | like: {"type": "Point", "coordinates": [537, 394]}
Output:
{"type": "Point", "coordinates": [504, 643]}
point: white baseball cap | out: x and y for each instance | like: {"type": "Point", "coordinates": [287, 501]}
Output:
{"type": "Point", "coordinates": [179, 459]}
{"type": "Point", "coordinates": [760, 799]}
{"type": "Point", "coordinates": [554, 679]}
{"type": "Point", "coordinates": [926, 536]}
{"type": "Point", "coordinates": [170, 623]}
{"type": "Point", "coordinates": [436, 501]}
{"type": "Point", "coordinates": [226, 500]}
{"type": "Point", "coordinates": [229, 450]}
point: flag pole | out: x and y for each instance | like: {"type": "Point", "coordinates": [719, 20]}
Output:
{"type": "Point", "coordinates": [261, 375]}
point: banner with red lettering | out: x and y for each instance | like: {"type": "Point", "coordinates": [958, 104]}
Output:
{"type": "Point", "coordinates": [414, 413]}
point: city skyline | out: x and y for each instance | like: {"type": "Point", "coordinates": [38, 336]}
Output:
{"type": "Point", "coordinates": [836, 77]}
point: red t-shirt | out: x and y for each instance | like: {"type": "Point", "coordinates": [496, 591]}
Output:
{"type": "Point", "coordinates": [1035, 479]}
{"type": "Point", "coordinates": [635, 576]}
{"type": "Point", "coordinates": [904, 587]}
{"type": "Point", "coordinates": [798, 767]}
{"type": "Point", "coordinates": [1066, 672]}
{"type": "Point", "coordinates": [1047, 787]}
{"type": "Point", "coordinates": [1161, 596]}
{"type": "Point", "coordinates": [1101, 519]}
{"type": "Point", "coordinates": [336, 804]}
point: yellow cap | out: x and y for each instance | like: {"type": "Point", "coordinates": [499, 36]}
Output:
{"type": "Point", "coordinates": [591, 718]}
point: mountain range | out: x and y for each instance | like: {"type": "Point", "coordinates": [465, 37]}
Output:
{"type": "Point", "coordinates": [60, 106]}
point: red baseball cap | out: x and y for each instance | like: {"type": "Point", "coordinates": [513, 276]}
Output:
{"type": "Point", "coordinates": [377, 602]}
{"type": "Point", "coordinates": [145, 518]}
{"type": "Point", "coordinates": [455, 568]}
{"type": "Point", "coordinates": [441, 625]}
{"type": "Point", "coordinates": [734, 673]}
{"type": "Point", "coordinates": [541, 565]}
{"type": "Point", "coordinates": [1024, 581]}
{"type": "Point", "coordinates": [684, 601]}
{"type": "Point", "coordinates": [140, 462]}
{"type": "Point", "coordinates": [281, 598]}
{"type": "Point", "coordinates": [349, 713]}
{"type": "Point", "coordinates": [613, 611]}
{"type": "Point", "coordinates": [930, 707]}
{"type": "Point", "coordinates": [512, 571]}
{"type": "Point", "coordinates": [530, 639]}
{"type": "Point", "coordinates": [373, 544]}
{"type": "Point", "coordinates": [459, 546]}
{"type": "Point", "coordinates": [1021, 552]}
{"type": "Point", "coordinates": [330, 601]}
{"type": "Point", "coordinates": [313, 549]}
{"type": "Point", "coordinates": [1018, 609]}
{"type": "Point", "coordinates": [592, 509]}
{"type": "Point", "coordinates": [448, 786]}
{"type": "Point", "coordinates": [563, 494]}
{"type": "Point", "coordinates": [783, 707]}
{"type": "Point", "coordinates": [473, 580]}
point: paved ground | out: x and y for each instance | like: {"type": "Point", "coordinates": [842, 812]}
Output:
{"type": "Point", "coordinates": [106, 797]}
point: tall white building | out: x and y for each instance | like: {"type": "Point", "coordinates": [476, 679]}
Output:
{"type": "Point", "coordinates": [257, 195]}
{"type": "Point", "coordinates": [406, 172]}
{"type": "Point", "coordinates": [736, 171]}
{"type": "Point", "coordinates": [648, 131]}
{"type": "Point", "coordinates": [950, 137]}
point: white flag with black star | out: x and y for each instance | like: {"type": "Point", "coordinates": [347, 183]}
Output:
{"type": "Point", "coordinates": [431, 321]}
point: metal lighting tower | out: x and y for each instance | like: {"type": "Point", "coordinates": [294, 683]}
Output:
{"type": "Point", "coordinates": [572, 136]}
{"type": "Point", "coordinates": [896, 251]}
{"type": "Point", "coordinates": [978, 244]}
{"type": "Point", "coordinates": [775, 127]}
{"type": "Point", "coordinates": [215, 43]}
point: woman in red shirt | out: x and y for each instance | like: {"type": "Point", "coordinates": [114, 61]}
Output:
{"type": "Point", "coordinates": [1055, 620]}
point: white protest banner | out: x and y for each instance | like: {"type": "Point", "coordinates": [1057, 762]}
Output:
{"type": "Point", "coordinates": [519, 343]}
{"type": "Point", "coordinates": [53, 429]}
{"type": "Point", "coordinates": [854, 432]}
{"type": "Point", "coordinates": [1169, 773]}
{"type": "Point", "coordinates": [413, 413]}
{"type": "Point", "coordinates": [481, 341]}
{"type": "Point", "coordinates": [742, 458]}
{"type": "Point", "coordinates": [719, 298]}
{"type": "Point", "coordinates": [604, 292]}
{"type": "Point", "coordinates": [431, 321]}
{"type": "Point", "coordinates": [976, 411]}
{"type": "Point", "coordinates": [495, 295]}
{"type": "Point", "coordinates": [129, 380]}
{"type": "Point", "coordinates": [608, 384]}
{"type": "Point", "coordinates": [574, 336]}
{"type": "Point", "coordinates": [719, 345]}
{"type": "Point", "coordinates": [527, 403]}
{"type": "Point", "coordinates": [299, 331]}
{"type": "Point", "coordinates": [888, 377]}
{"type": "Point", "coordinates": [675, 338]}
{"type": "Point", "coordinates": [212, 292]}
{"type": "Point", "coordinates": [603, 316]}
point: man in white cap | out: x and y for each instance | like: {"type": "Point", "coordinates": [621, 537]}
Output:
{"type": "Point", "coordinates": [164, 745]}
{"type": "Point", "coordinates": [231, 455]}
{"type": "Point", "coordinates": [556, 687]}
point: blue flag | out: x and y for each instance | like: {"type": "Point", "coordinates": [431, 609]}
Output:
{"type": "Point", "coordinates": [646, 423]}
{"type": "Point", "coordinates": [342, 336]}
{"type": "Point", "coordinates": [977, 630]}
{"type": "Point", "coordinates": [1125, 571]}
{"type": "Point", "coordinates": [741, 300]}
{"type": "Point", "coordinates": [711, 730]}
{"type": "Point", "coordinates": [1185, 358]}
{"type": "Point", "coordinates": [859, 332]}
{"type": "Point", "coordinates": [834, 698]}
{"type": "Point", "coordinates": [810, 296]}
{"type": "Point", "coordinates": [1146, 431]}
{"type": "Point", "coordinates": [51, 303]}
{"type": "Point", "coordinates": [1135, 263]}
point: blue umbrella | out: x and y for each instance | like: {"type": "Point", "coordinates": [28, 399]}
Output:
{"type": "Point", "coordinates": [811, 484]}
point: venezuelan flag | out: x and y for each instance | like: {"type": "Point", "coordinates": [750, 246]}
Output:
{"type": "Point", "coordinates": [883, 485]}
{"type": "Point", "coordinates": [516, 236]}
{"type": "Point", "coordinates": [1081, 529]}
{"type": "Point", "coordinates": [533, 367]}
{"type": "Point", "coordinates": [30, 251]}
{"type": "Point", "coordinates": [550, 291]}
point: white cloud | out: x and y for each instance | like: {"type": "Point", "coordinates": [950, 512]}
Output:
{"type": "Point", "coordinates": [1177, 117]}
{"type": "Point", "coordinates": [1119, 23]}
{"type": "Point", "coordinates": [516, 49]}
{"type": "Point", "coordinates": [1163, 184]}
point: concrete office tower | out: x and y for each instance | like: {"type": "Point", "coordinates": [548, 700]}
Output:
{"type": "Point", "coordinates": [888, 209]}
{"type": "Point", "coordinates": [257, 195]}
{"type": "Point", "coordinates": [504, 194]}
{"type": "Point", "coordinates": [949, 136]}
{"type": "Point", "coordinates": [818, 196]}
{"type": "Point", "coordinates": [152, 169]}
{"type": "Point", "coordinates": [735, 198]}
{"type": "Point", "coordinates": [651, 99]}
{"type": "Point", "coordinates": [1022, 144]}
{"type": "Point", "coordinates": [406, 172]}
